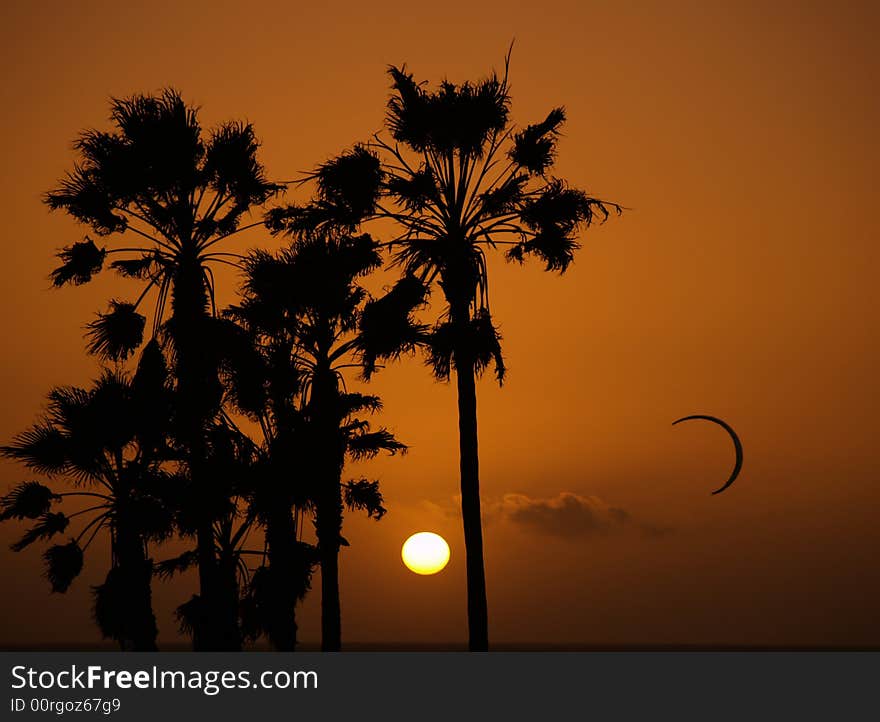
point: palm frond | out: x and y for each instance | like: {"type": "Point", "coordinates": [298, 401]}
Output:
{"type": "Point", "coordinates": [454, 118]}
{"type": "Point", "coordinates": [50, 524]}
{"type": "Point", "coordinates": [42, 448]}
{"type": "Point", "coordinates": [83, 194]}
{"type": "Point", "coordinates": [27, 500]}
{"type": "Point", "coordinates": [304, 220]}
{"type": "Point", "coordinates": [232, 167]}
{"type": "Point", "coordinates": [80, 261]}
{"type": "Point", "coordinates": [350, 183]}
{"type": "Point", "coordinates": [142, 268]}
{"type": "Point", "coordinates": [108, 420]}
{"type": "Point", "coordinates": [367, 444]}
{"type": "Point", "coordinates": [479, 340]}
{"type": "Point", "coordinates": [534, 147]}
{"type": "Point", "coordinates": [64, 562]}
{"type": "Point", "coordinates": [351, 403]}
{"type": "Point", "coordinates": [408, 113]}
{"type": "Point", "coordinates": [115, 335]}
{"type": "Point", "coordinates": [554, 215]}
{"type": "Point", "coordinates": [167, 568]}
{"type": "Point", "coordinates": [364, 495]}
{"type": "Point", "coordinates": [67, 406]}
{"type": "Point", "coordinates": [161, 149]}
{"type": "Point", "coordinates": [387, 327]}
{"type": "Point", "coordinates": [415, 190]}
{"type": "Point", "coordinates": [503, 199]}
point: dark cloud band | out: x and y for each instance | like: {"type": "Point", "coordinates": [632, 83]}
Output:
{"type": "Point", "coordinates": [565, 515]}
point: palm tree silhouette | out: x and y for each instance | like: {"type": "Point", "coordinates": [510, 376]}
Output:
{"type": "Point", "coordinates": [231, 534]}
{"type": "Point", "coordinates": [458, 179]}
{"type": "Point", "coordinates": [262, 382]}
{"type": "Point", "coordinates": [239, 468]}
{"type": "Point", "coordinates": [303, 306]}
{"type": "Point", "coordinates": [156, 179]}
{"type": "Point", "coordinates": [105, 438]}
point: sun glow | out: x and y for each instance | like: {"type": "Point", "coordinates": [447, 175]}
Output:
{"type": "Point", "coordinates": [425, 553]}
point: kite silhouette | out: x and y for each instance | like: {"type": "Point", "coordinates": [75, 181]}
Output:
{"type": "Point", "coordinates": [737, 445]}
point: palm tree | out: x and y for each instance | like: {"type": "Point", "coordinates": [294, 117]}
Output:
{"type": "Point", "coordinates": [459, 179]}
{"type": "Point", "coordinates": [263, 384]}
{"type": "Point", "coordinates": [229, 462]}
{"type": "Point", "coordinates": [303, 306]}
{"type": "Point", "coordinates": [157, 179]}
{"type": "Point", "coordinates": [235, 464]}
{"type": "Point", "coordinates": [105, 439]}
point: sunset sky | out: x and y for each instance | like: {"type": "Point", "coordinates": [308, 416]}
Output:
{"type": "Point", "coordinates": [741, 283]}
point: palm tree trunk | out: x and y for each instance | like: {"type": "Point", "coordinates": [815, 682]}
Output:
{"type": "Point", "coordinates": [469, 467]}
{"type": "Point", "coordinates": [218, 621]}
{"type": "Point", "coordinates": [328, 511]}
{"type": "Point", "coordinates": [329, 527]}
{"type": "Point", "coordinates": [144, 630]}
{"type": "Point", "coordinates": [478, 617]}
{"type": "Point", "coordinates": [281, 538]}
{"type": "Point", "coordinates": [205, 638]}
{"type": "Point", "coordinates": [133, 575]}
{"type": "Point", "coordinates": [225, 614]}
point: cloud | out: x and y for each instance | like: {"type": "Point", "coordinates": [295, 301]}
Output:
{"type": "Point", "coordinates": [566, 515]}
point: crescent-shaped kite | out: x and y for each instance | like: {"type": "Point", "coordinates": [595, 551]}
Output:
{"type": "Point", "coordinates": [737, 445]}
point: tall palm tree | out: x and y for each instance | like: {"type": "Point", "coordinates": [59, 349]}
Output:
{"type": "Point", "coordinates": [278, 497]}
{"type": "Point", "coordinates": [104, 439]}
{"type": "Point", "coordinates": [229, 462]}
{"type": "Point", "coordinates": [178, 194]}
{"type": "Point", "coordinates": [263, 383]}
{"type": "Point", "coordinates": [303, 306]}
{"type": "Point", "coordinates": [459, 179]}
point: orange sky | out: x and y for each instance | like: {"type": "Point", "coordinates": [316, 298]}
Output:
{"type": "Point", "coordinates": [742, 284]}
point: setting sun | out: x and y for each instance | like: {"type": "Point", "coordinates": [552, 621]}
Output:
{"type": "Point", "coordinates": [425, 553]}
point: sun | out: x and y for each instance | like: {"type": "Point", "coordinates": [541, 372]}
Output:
{"type": "Point", "coordinates": [425, 553]}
